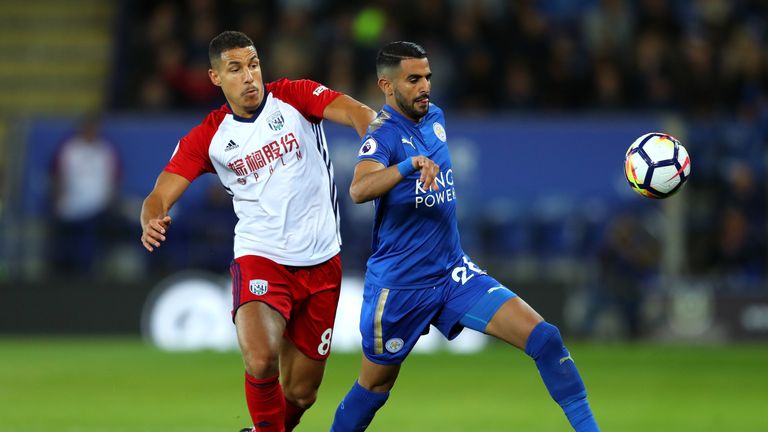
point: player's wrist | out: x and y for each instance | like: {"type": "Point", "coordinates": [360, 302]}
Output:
{"type": "Point", "coordinates": [406, 167]}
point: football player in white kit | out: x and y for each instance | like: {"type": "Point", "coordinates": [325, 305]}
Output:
{"type": "Point", "coordinates": [268, 148]}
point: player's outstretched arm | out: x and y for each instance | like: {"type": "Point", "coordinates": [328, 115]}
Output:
{"type": "Point", "coordinates": [347, 111]}
{"type": "Point", "coordinates": [154, 212]}
{"type": "Point", "coordinates": [372, 179]}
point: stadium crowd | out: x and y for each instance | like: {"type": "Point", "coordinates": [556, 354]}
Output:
{"type": "Point", "coordinates": [704, 60]}
{"type": "Point", "coordinates": [701, 57]}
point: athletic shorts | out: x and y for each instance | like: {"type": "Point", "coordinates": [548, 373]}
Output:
{"type": "Point", "coordinates": [305, 296]}
{"type": "Point", "coordinates": [393, 320]}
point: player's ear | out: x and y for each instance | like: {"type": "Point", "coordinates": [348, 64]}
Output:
{"type": "Point", "coordinates": [214, 76]}
{"type": "Point", "coordinates": [386, 86]}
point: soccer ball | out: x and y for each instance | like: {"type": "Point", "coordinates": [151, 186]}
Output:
{"type": "Point", "coordinates": [656, 165]}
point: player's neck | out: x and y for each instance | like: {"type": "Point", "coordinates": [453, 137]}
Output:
{"type": "Point", "coordinates": [243, 113]}
{"type": "Point", "coordinates": [392, 105]}
{"type": "Point", "coordinates": [240, 112]}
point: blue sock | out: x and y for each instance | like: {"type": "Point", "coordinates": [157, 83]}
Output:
{"type": "Point", "coordinates": [357, 409]}
{"type": "Point", "coordinates": [559, 373]}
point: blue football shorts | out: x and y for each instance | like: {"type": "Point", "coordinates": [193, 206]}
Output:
{"type": "Point", "coordinates": [393, 320]}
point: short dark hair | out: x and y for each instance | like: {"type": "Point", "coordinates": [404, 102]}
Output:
{"type": "Point", "coordinates": [393, 53]}
{"type": "Point", "coordinates": [226, 41]}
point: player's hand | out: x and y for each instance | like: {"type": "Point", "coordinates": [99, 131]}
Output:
{"type": "Point", "coordinates": [429, 171]}
{"type": "Point", "coordinates": [153, 232]}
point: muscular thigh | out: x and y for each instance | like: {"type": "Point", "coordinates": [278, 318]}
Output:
{"type": "Point", "coordinates": [306, 298]}
{"type": "Point", "coordinates": [310, 327]}
{"type": "Point", "coordinates": [513, 322]}
{"type": "Point", "coordinates": [259, 279]}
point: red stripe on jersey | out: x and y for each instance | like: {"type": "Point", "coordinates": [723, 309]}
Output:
{"type": "Point", "coordinates": [191, 159]}
{"type": "Point", "coordinates": [308, 97]}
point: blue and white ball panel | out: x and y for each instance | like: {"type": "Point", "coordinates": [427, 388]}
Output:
{"type": "Point", "coordinates": [393, 320]}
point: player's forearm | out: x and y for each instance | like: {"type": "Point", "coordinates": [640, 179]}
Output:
{"type": "Point", "coordinates": [360, 117]}
{"type": "Point", "coordinates": [154, 207]}
{"type": "Point", "coordinates": [168, 189]}
{"type": "Point", "coordinates": [374, 184]}
{"type": "Point", "coordinates": [349, 112]}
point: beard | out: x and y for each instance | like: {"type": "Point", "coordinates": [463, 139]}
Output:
{"type": "Point", "coordinates": [409, 107]}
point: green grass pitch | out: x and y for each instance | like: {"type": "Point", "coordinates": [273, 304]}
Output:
{"type": "Point", "coordinates": [122, 385]}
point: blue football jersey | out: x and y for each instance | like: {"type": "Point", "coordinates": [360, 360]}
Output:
{"type": "Point", "coordinates": [415, 233]}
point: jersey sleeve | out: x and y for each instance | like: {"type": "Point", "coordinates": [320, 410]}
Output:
{"type": "Point", "coordinates": [308, 97]}
{"type": "Point", "coordinates": [190, 159]}
{"type": "Point", "coordinates": [376, 147]}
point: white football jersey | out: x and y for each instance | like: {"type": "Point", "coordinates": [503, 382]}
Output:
{"type": "Point", "coordinates": [277, 168]}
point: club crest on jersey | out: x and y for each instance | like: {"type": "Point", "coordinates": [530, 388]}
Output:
{"type": "Point", "coordinates": [275, 121]}
{"type": "Point", "coordinates": [368, 147]}
{"type": "Point", "coordinates": [242, 180]}
{"type": "Point", "coordinates": [258, 286]}
{"type": "Point", "coordinates": [394, 345]}
{"type": "Point", "coordinates": [439, 131]}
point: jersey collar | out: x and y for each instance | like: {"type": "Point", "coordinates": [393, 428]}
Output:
{"type": "Point", "coordinates": [255, 114]}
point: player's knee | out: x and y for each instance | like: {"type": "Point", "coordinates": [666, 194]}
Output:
{"type": "Point", "coordinates": [261, 363]}
{"type": "Point", "coordinates": [302, 394]}
{"type": "Point", "coordinates": [545, 337]}
{"type": "Point", "coordinates": [555, 364]}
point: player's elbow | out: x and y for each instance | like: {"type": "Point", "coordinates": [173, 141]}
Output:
{"type": "Point", "coordinates": [361, 118]}
{"type": "Point", "coordinates": [357, 193]}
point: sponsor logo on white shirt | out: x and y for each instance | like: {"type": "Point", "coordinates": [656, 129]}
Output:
{"type": "Point", "coordinates": [231, 145]}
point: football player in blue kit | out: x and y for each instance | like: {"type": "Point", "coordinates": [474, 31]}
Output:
{"type": "Point", "coordinates": [418, 273]}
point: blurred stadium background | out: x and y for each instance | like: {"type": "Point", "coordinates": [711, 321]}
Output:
{"type": "Point", "coordinates": [667, 301]}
